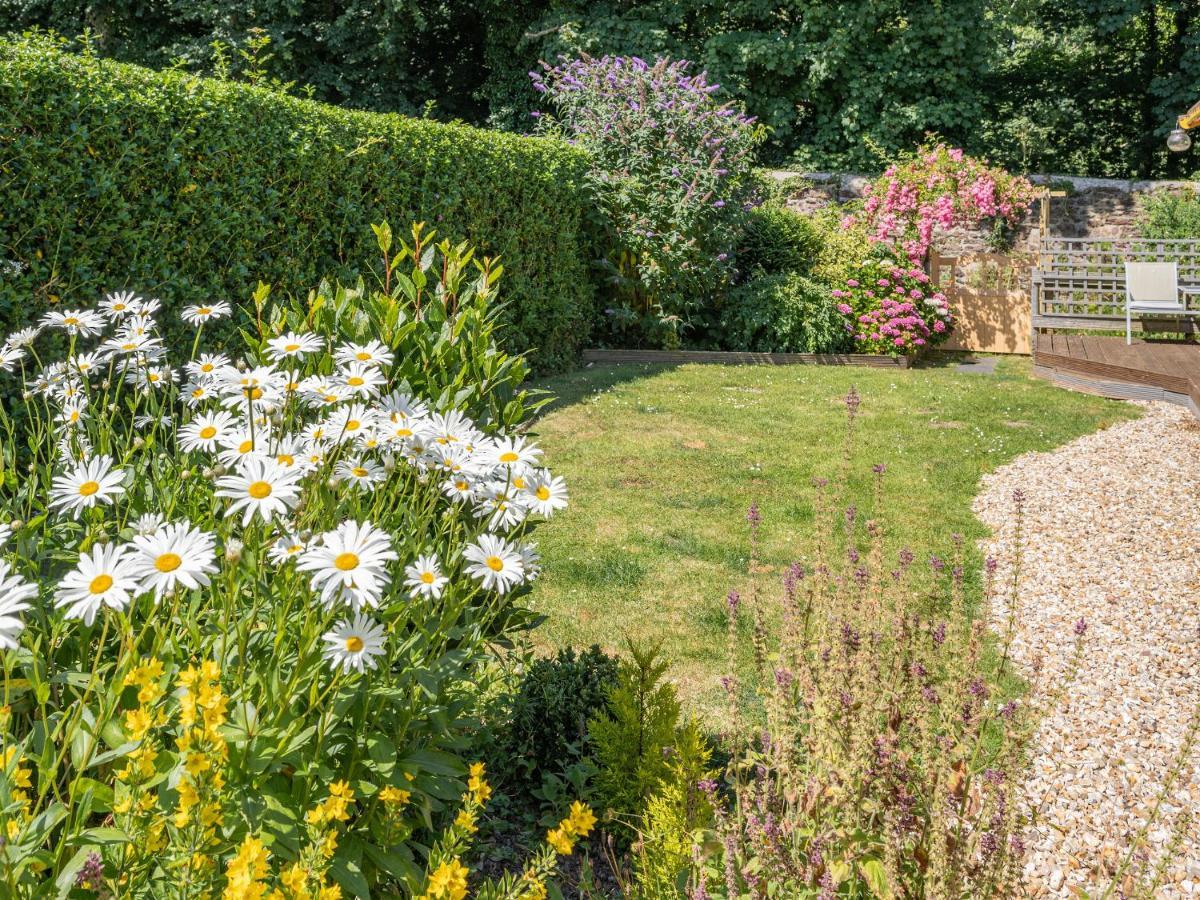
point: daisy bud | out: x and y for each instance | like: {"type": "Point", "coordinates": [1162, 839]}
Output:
{"type": "Point", "coordinates": [332, 483]}
{"type": "Point", "coordinates": [138, 443]}
{"type": "Point", "coordinates": [306, 535]}
{"type": "Point", "coordinates": [106, 384]}
{"type": "Point", "coordinates": [185, 474]}
{"type": "Point", "coordinates": [219, 469]}
{"type": "Point", "coordinates": [389, 464]}
{"type": "Point", "coordinates": [16, 524]}
{"type": "Point", "coordinates": [277, 420]}
{"type": "Point", "coordinates": [233, 550]}
{"type": "Point", "coordinates": [25, 395]}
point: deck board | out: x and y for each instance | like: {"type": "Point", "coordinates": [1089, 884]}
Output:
{"type": "Point", "coordinates": [1109, 366]}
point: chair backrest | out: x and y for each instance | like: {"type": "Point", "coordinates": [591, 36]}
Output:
{"type": "Point", "coordinates": [1152, 283]}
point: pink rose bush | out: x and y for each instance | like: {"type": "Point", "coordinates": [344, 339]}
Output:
{"type": "Point", "coordinates": [941, 188]}
{"type": "Point", "coordinates": [893, 308]}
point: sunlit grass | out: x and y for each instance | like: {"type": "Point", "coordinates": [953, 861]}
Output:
{"type": "Point", "coordinates": [662, 464]}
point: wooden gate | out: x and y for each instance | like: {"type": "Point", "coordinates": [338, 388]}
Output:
{"type": "Point", "coordinates": [989, 297]}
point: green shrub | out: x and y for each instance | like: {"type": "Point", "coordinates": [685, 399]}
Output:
{"type": "Point", "coordinates": [844, 245]}
{"type": "Point", "coordinates": [1169, 214]}
{"type": "Point", "coordinates": [631, 735]}
{"type": "Point", "coordinates": [783, 314]}
{"type": "Point", "coordinates": [548, 728]}
{"type": "Point", "coordinates": [114, 176]}
{"type": "Point", "coordinates": [777, 240]}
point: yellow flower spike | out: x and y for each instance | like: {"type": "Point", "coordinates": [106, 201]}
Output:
{"type": "Point", "coordinates": [582, 819]}
{"type": "Point", "coordinates": [448, 881]}
{"type": "Point", "coordinates": [392, 796]}
{"type": "Point", "coordinates": [560, 841]}
{"type": "Point", "coordinates": [477, 770]}
{"type": "Point", "coordinates": [295, 879]}
{"type": "Point", "coordinates": [466, 819]}
{"type": "Point", "coordinates": [332, 892]}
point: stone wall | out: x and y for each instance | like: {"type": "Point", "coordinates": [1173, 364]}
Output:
{"type": "Point", "coordinates": [1093, 207]}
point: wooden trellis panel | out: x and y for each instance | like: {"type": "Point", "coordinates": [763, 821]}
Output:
{"type": "Point", "coordinates": [1080, 282]}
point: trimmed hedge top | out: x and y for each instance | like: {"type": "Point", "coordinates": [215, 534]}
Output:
{"type": "Point", "coordinates": [113, 176]}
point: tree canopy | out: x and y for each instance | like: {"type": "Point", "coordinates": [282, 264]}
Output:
{"type": "Point", "coordinates": [1074, 86]}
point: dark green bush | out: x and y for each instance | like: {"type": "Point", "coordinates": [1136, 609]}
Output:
{"type": "Point", "coordinates": [548, 721]}
{"type": "Point", "coordinates": [1169, 214]}
{"type": "Point", "coordinates": [783, 314]}
{"type": "Point", "coordinates": [777, 240]}
{"type": "Point", "coordinates": [114, 176]}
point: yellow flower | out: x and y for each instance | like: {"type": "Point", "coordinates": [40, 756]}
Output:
{"type": "Point", "coordinates": [246, 870]}
{"type": "Point", "coordinates": [333, 892]}
{"type": "Point", "coordinates": [535, 891]}
{"type": "Point", "coordinates": [197, 763]}
{"type": "Point", "coordinates": [466, 819]}
{"type": "Point", "coordinates": [477, 770]}
{"type": "Point", "coordinates": [560, 841]}
{"type": "Point", "coordinates": [13, 829]}
{"type": "Point", "coordinates": [581, 819]}
{"type": "Point", "coordinates": [394, 796]}
{"type": "Point", "coordinates": [295, 878]}
{"type": "Point", "coordinates": [123, 805]}
{"type": "Point", "coordinates": [448, 881]}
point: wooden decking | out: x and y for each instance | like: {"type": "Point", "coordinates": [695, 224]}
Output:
{"type": "Point", "coordinates": [1143, 370]}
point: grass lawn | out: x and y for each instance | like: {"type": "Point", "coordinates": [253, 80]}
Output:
{"type": "Point", "coordinates": [662, 464]}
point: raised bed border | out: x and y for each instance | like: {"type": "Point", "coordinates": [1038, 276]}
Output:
{"type": "Point", "coordinates": [733, 358]}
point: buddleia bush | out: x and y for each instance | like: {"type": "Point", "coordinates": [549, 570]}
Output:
{"type": "Point", "coordinates": [244, 595]}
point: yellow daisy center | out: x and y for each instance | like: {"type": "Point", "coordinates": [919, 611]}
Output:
{"type": "Point", "coordinates": [88, 488]}
{"type": "Point", "coordinates": [245, 446]}
{"type": "Point", "coordinates": [259, 489]}
{"type": "Point", "coordinates": [353, 425]}
{"type": "Point", "coordinates": [291, 348]}
{"type": "Point", "coordinates": [509, 457]}
{"type": "Point", "coordinates": [168, 562]}
{"type": "Point", "coordinates": [346, 561]}
{"type": "Point", "coordinates": [427, 577]}
{"type": "Point", "coordinates": [362, 356]}
{"type": "Point", "coordinates": [286, 459]}
{"type": "Point", "coordinates": [206, 367]}
{"type": "Point", "coordinates": [100, 584]}
{"type": "Point", "coordinates": [495, 563]}
{"type": "Point", "coordinates": [543, 492]}
{"type": "Point", "coordinates": [355, 381]}
{"type": "Point", "coordinates": [198, 392]}
{"type": "Point", "coordinates": [70, 320]}
{"type": "Point", "coordinates": [359, 472]}
{"type": "Point", "coordinates": [204, 311]}
{"type": "Point", "coordinates": [354, 643]}
{"type": "Point", "coordinates": [129, 345]}
{"type": "Point", "coordinates": [208, 431]}
{"type": "Point", "coordinates": [255, 393]}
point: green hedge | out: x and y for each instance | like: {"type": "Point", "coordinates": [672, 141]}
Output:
{"type": "Point", "coordinates": [114, 176]}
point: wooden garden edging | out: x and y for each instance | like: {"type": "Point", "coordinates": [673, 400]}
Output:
{"type": "Point", "coordinates": [683, 357]}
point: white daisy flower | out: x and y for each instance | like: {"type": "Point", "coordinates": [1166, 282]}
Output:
{"type": "Point", "coordinates": [372, 353]}
{"type": "Point", "coordinates": [258, 386]}
{"type": "Point", "coordinates": [531, 560]}
{"type": "Point", "coordinates": [207, 431]}
{"type": "Point", "coordinates": [286, 549]}
{"type": "Point", "coordinates": [87, 363]}
{"type": "Point", "coordinates": [118, 304]}
{"type": "Point", "coordinates": [361, 380]}
{"type": "Point", "coordinates": [149, 523]}
{"type": "Point", "coordinates": [459, 488]}
{"type": "Point", "coordinates": [23, 337]}
{"type": "Point", "coordinates": [350, 564]}
{"type": "Point", "coordinates": [83, 322]}
{"type": "Point", "coordinates": [399, 405]}
{"type": "Point", "coordinates": [501, 506]}
{"type": "Point", "coordinates": [453, 427]}
{"type": "Point", "coordinates": [362, 472]}
{"type": "Point", "coordinates": [495, 562]}
{"type": "Point", "coordinates": [94, 481]}
{"type": "Point", "coordinates": [424, 577]}
{"type": "Point", "coordinates": [151, 378]}
{"type": "Point", "coordinates": [6, 534]}
{"type": "Point", "coordinates": [203, 313]}
{"type": "Point", "coordinates": [132, 342]}
{"type": "Point", "coordinates": [73, 412]}
{"type": "Point", "coordinates": [354, 644]}
{"type": "Point", "coordinates": [103, 577]}
{"type": "Point", "coordinates": [14, 591]}
{"type": "Point", "coordinates": [242, 443]}
{"type": "Point", "coordinates": [292, 345]}
{"type": "Point", "coordinates": [288, 453]}
{"type": "Point", "coordinates": [349, 422]}
{"type": "Point", "coordinates": [261, 486]}
{"type": "Point", "coordinates": [545, 494]}
{"type": "Point", "coordinates": [144, 309]}
{"type": "Point", "coordinates": [9, 357]}
{"type": "Point", "coordinates": [176, 556]}
{"type": "Point", "coordinates": [208, 365]}
{"type": "Point", "coordinates": [512, 452]}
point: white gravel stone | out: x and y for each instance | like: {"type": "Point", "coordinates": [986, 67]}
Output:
{"type": "Point", "coordinates": [1110, 535]}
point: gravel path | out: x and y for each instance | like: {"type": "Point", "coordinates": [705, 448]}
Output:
{"type": "Point", "coordinates": [1112, 536]}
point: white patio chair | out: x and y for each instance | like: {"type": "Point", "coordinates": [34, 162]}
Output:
{"type": "Point", "coordinates": [1153, 288]}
